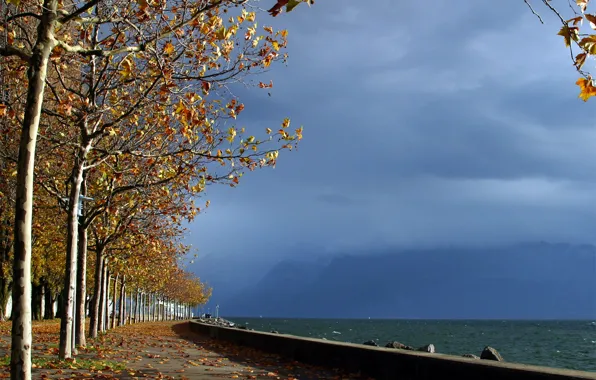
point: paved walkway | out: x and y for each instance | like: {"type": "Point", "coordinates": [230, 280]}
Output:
{"type": "Point", "coordinates": [166, 350]}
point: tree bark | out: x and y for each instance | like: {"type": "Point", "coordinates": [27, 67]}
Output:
{"type": "Point", "coordinates": [135, 314]}
{"type": "Point", "coordinates": [4, 294]}
{"type": "Point", "coordinates": [20, 360]}
{"type": "Point", "coordinates": [36, 302]}
{"type": "Point", "coordinates": [70, 278]}
{"type": "Point", "coordinates": [80, 305]}
{"type": "Point", "coordinates": [105, 284]}
{"type": "Point", "coordinates": [96, 301]}
{"type": "Point", "coordinates": [114, 299]}
{"type": "Point", "coordinates": [122, 303]}
{"type": "Point", "coordinates": [49, 304]}
{"type": "Point", "coordinates": [142, 307]}
{"type": "Point", "coordinates": [42, 301]}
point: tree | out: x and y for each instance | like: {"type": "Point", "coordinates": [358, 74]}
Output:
{"type": "Point", "coordinates": [124, 43]}
{"type": "Point", "coordinates": [579, 38]}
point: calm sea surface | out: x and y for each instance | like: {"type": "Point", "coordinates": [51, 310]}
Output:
{"type": "Point", "coordinates": [563, 344]}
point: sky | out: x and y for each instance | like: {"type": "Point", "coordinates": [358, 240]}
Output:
{"type": "Point", "coordinates": [425, 123]}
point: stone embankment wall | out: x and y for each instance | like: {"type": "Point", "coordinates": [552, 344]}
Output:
{"type": "Point", "coordinates": [383, 363]}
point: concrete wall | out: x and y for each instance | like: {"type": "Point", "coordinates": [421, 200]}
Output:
{"type": "Point", "coordinates": [383, 363]}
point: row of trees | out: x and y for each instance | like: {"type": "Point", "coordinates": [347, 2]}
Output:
{"type": "Point", "coordinates": [117, 115]}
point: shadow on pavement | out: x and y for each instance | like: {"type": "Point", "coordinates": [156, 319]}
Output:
{"type": "Point", "coordinates": [257, 363]}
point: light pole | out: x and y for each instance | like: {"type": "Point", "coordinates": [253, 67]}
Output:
{"type": "Point", "coordinates": [217, 312]}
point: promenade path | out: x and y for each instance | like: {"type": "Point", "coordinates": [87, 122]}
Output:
{"type": "Point", "coordinates": [156, 350]}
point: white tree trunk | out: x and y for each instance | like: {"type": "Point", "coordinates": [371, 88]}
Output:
{"type": "Point", "coordinates": [20, 360]}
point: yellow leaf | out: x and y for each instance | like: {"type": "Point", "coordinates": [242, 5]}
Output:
{"type": "Point", "coordinates": [169, 48]}
{"type": "Point", "coordinates": [16, 3]}
{"type": "Point", "coordinates": [587, 89]}
{"type": "Point", "coordinates": [582, 4]}
{"type": "Point", "coordinates": [127, 68]}
{"type": "Point", "coordinates": [589, 44]}
{"type": "Point", "coordinates": [568, 33]}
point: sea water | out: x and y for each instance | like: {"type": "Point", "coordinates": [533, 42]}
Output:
{"type": "Point", "coordinates": [562, 344]}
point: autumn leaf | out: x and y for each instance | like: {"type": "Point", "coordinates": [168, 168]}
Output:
{"type": "Point", "coordinates": [582, 4]}
{"type": "Point", "coordinates": [580, 59]}
{"type": "Point", "coordinates": [575, 21]}
{"type": "Point", "coordinates": [587, 89]}
{"type": "Point", "coordinates": [568, 33]}
{"type": "Point", "coordinates": [169, 49]}
{"type": "Point", "coordinates": [588, 44]}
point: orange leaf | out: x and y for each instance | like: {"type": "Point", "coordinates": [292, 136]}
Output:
{"type": "Point", "coordinates": [169, 48]}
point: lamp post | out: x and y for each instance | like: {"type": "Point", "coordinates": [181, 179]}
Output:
{"type": "Point", "coordinates": [217, 312]}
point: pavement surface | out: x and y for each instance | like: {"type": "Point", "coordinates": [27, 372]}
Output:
{"type": "Point", "coordinates": [158, 350]}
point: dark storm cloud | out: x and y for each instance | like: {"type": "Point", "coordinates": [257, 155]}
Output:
{"type": "Point", "coordinates": [454, 121]}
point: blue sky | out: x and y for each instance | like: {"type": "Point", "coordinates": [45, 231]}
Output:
{"type": "Point", "coordinates": [425, 123]}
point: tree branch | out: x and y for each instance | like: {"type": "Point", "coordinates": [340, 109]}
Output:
{"type": "Point", "coordinates": [24, 14]}
{"type": "Point", "coordinates": [11, 51]}
{"type": "Point", "coordinates": [78, 12]}
{"type": "Point", "coordinates": [533, 11]}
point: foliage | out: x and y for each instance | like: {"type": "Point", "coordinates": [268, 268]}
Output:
{"type": "Point", "coordinates": [579, 36]}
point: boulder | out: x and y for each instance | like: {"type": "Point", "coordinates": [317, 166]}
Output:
{"type": "Point", "coordinates": [428, 348]}
{"type": "Point", "coordinates": [370, 343]}
{"type": "Point", "coordinates": [471, 356]}
{"type": "Point", "coordinates": [242, 327]}
{"type": "Point", "coordinates": [490, 353]}
{"type": "Point", "coordinates": [274, 332]}
{"type": "Point", "coordinates": [396, 345]}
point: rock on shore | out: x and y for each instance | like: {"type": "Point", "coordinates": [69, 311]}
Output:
{"type": "Point", "coordinates": [490, 353]}
{"type": "Point", "coordinates": [428, 348]}
{"type": "Point", "coordinates": [470, 356]}
{"type": "Point", "coordinates": [398, 345]}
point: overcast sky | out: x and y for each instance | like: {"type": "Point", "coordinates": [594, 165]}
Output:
{"type": "Point", "coordinates": [451, 121]}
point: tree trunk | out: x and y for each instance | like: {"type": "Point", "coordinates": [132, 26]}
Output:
{"type": "Point", "coordinates": [5, 285]}
{"type": "Point", "coordinates": [49, 307]}
{"type": "Point", "coordinates": [80, 305]}
{"type": "Point", "coordinates": [42, 301]}
{"type": "Point", "coordinates": [70, 278]}
{"type": "Point", "coordinates": [142, 307]}
{"type": "Point", "coordinates": [135, 314]}
{"type": "Point", "coordinates": [122, 302]}
{"type": "Point", "coordinates": [153, 319]}
{"type": "Point", "coordinates": [36, 302]}
{"type": "Point", "coordinates": [96, 301]}
{"type": "Point", "coordinates": [105, 284]}
{"type": "Point", "coordinates": [114, 299]}
{"type": "Point", "coordinates": [130, 308]}
{"type": "Point", "coordinates": [20, 360]}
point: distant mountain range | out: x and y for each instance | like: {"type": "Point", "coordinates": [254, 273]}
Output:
{"type": "Point", "coordinates": [523, 281]}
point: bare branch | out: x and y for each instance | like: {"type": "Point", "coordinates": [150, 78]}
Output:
{"type": "Point", "coordinates": [79, 11]}
{"type": "Point", "coordinates": [533, 11]}
{"type": "Point", "coordinates": [11, 51]}
{"type": "Point", "coordinates": [24, 14]}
